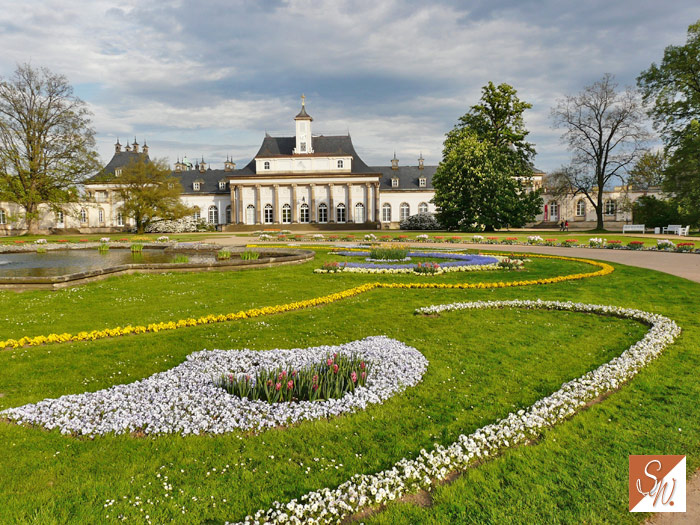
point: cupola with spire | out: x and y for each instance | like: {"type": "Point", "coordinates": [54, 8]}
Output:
{"type": "Point", "coordinates": [229, 165]}
{"type": "Point", "coordinates": [303, 131]}
{"type": "Point", "coordinates": [394, 163]}
{"type": "Point", "coordinates": [135, 146]}
{"type": "Point", "coordinates": [421, 161]}
{"type": "Point", "coordinates": [117, 147]}
{"type": "Point", "coordinates": [202, 165]}
{"type": "Point", "coordinates": [145, 148]}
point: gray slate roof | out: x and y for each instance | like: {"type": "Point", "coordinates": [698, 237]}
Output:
{"type": "Point", "coordinates": [119, 160]}
{"type": "Point", "coordinates": [209, 181]}
{"type": "Point", "coordinates": [408, 177]}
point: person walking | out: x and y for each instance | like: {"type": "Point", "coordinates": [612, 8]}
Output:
{"type": "Point", "coordinates": [566, 225]}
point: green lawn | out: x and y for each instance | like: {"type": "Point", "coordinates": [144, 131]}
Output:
{"type": "Point", "coordinates": [483, 364]}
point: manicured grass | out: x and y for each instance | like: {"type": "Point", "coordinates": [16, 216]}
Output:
{"type": "Point", "coordinates": [483, 364]}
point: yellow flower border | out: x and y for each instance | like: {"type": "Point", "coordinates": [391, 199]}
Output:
{"type": "Point", "coordinates": [94, 335]}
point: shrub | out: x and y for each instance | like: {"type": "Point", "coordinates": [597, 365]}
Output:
{"type": "Point", "coordinates": [103, 248]}
{"type": "Point", "coordinates": [420, 221]}
{"type": "Point", "coordinates": [223, 255]}
{"type": "Point", "coordinates": [389, 253]}
{"type": "Point", "coordinates": [136, 248]}
{"type": "Point", "coordinates": [250, 255]}
{"type": "Point", "coordinates": [330, 379]}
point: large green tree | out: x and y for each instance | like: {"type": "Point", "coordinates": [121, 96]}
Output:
{"type": "Point", "coordinates": [683, 172]}
{"type": "Point", "coordinates": [482, 181]}
{"type": "Point", "coordinates": [149, 191]}
{"type": "Point", "coordinates": [648, 171]}
{"type": "Point", "coordinates": [46, 141]}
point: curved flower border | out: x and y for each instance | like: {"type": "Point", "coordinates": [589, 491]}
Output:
{"type": "Point", "coordinates": [605, 269]}
{"type": "Point", "coordinates": [423, 472]}
{"type": "Point", "coordinates": [459, 262]}
{"type": "Point", "coordinates": [187, 400]}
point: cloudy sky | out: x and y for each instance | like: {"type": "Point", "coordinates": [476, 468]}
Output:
{"type": "Point", "coordinates": [210, 77]}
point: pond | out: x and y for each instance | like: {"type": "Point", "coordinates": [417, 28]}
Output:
{"type": "Point", "coordinates": [62, 262]}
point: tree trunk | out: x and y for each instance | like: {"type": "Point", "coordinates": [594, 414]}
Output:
{"type": "Point", "coordinates": [31, 220]}
{"type": "Point", "coordinates": [600, 225]}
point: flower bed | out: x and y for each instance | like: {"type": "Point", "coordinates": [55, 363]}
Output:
{"type": "Point", "coordinates": [187, 399]}
{"type": "Point", "coordinates": [460, 263]}
{"type": "Point", "coordinates": [430, 468]}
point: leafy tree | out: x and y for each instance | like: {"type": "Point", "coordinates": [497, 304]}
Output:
{"type": "Point", "coordinates": [648, 171]}
{"type": "Point", "coordinates": [653, 212]}
{"type": "Point", "coordinates": [683, 172]}
{"type": "Point", "coordinates": [149, 191]}
{"type": "Point", "coordinates": [486, 166]}
{"type": "Point", "coordinates": [673, 87]}
{"type": "Point", "coordinates": [604, 130]}
{"type": "Point", "coordinates": [46, 142]}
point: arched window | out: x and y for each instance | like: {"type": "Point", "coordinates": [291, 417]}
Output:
{"type": "Point", "coordinates": [286, 214]}
{"type": "Point", "coordinates": [340, 163]}
{"type": "Point", "coordinates": [423, 207]}
{"type": "Point", "coordinates": [197, 213]}
{"type": "Point", "coordinates": [120, 218]}
{"type": "Point", "coordinates": [553, 211]}
{"type": "Point", "coordinates": [100, 215]}
{"type": "Point", "coordinates": [581, 208]}
{"type": "Point", "coordinates": [340, 213]}
{"type": "Point", "coordinates": [59, 217]}
{"type": "Point", "coordinates": [268, 215]}
{"type": "Point", "coordinates": [359, 212]}
{"type": "Point", "coordinates": [83, 215]}
{"type": "Point", "coordinates": [213, 215]}
{"type": "Point", "coordinates": [404, 211]}
{"type": "Point", "coordinates": [228, 214]}
{"type": "Point", "coordinates": [304, 213]}
{"type": "Point", "coordinates": [610, 207]}
{"type": "Point", "coordinates": [322, 212]}
{"type": "Point", "coordinates": [386, 212]}
{"type": "Point", "coordinates": [250, 214]}
{"type": "Point", "coordinates": [3, 216]}
{"type": "Point", "coordinates": [266, 165]}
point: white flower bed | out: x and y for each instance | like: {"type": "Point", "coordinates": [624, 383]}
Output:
{"type": "Point", "coordinates": [40, 241]}
{"type": "Point", "coordinates": [534, 239]}
{"type": "Point", "coordinates": [187, 400]}
{"type": "Point", "coordinates": [665, 244]}
{"type": "Point", "coordinates": [363, 490]}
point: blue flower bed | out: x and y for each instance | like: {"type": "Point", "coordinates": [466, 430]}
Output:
{"type": "Point", "coordinates": [456, 259]}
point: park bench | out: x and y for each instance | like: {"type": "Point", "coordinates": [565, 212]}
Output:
{"type": "Point", "coordinates": [671, 228]}
{"type": "Point", "coordinates": [633, 228]}
{"type": "Point", "coordinates": [684, 231]}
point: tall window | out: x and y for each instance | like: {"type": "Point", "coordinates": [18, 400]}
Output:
{"type": "Point", "coordinates": [228, 214]}
{"type": "Point", "coordinates": [423, 207]}
{"type": "Point", "coordinates": [222, 184]}
{"type": "Point", "coordinates": [359, 212]}
{"type": "Point", "coordinates": [266, 165]}
{"type": "Point", "coordinates": [581, 208]}
{"type": "Point", "coordinates": [250, 214]}
{"type": "Point", "coordinates": [610, 207]}
{"type": "Point", "coordinates": [59, 217]}
{"type": "Point", "coordinates": [340, 163]}
{"type": "Point", "coordinates": [394, 182]}
{"type": "Point", "coordinates": [286, 214]}
{"type": "Point", "coordinates": [83, 215]}
{"type": "Point", "coordinates": [120, 219]}
{"type": "Point", "coordinates": [386, 212]}
{"type": "Point", "coordinates": [322, 212]}
{"type": "Point", "coordinates": [195, 186]}
{"type": "Point", "coordinates": [404, 211]}
{"type": "Point", "coordinates": [268, 215]}
{"type": "Point", "coordinates": [3, 217]}
{"type": "Point", "coordinates": [340, 213]}
{"type": "Point", "coordinates": [100, 216]}
{"type": "Point", "coordinates": [197, 214]}
{"type": "Point", "coordinates": [553, 211]}
{"type": "Point", "coordinates": [304, 213]}
{"type": "Point", "coordinates": [213, 215]}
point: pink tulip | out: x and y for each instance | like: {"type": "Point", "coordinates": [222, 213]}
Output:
{"type": "Point", "coordinates": [329, 362]}
{"type": "Point", "coordinates": [335, 369]}
{"type": "Point", "coordinates": [362, 365]}
{"type": "Point", "coordinates": [353, 376]}
{"type": "Point", "coordinates": [364, 374]}
{"type": "Point", "coordinates": [278, 386]}
{"type": "Point", "coordinates": [290, 385]}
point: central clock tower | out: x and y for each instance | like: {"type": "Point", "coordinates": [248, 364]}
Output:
{"type": "Point", "coordinates": [303, 135]}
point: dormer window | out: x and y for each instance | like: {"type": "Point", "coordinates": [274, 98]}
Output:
{"type": "Point", "coordinates": [118, 172]}
{"type": "Point", "coordinates": [302, 146]}
{"type": "Point", "coordinates": [422, 182]}
{"type": "Point", "coordinates": [340, 163]}
{"type": "Point", "coordinates": [266, 165]}
{"type": "Point", "coordinates": [195, 186]}
{"type": "Point", "coordinates": [394, 182]}
{"type": "Point", "coordinates": [222, 184]}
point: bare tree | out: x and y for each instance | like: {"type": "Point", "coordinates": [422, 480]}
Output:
{"type": "Point", "coordinates": [46, 142]}
{"type": "Point", "coordinates": [605, 131]}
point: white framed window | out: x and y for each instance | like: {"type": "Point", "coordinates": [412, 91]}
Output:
{"type": "Point", "coordinates": [118, 172]}
{"type": "Point", "coordinates": [100, 196]}
{"type": "Point", "coordinates": [304, 213]}
{"type": "Point", "coordinates": [359, 212]}
{"type": "Point", "coordinates": [302, 146]}
{"type": "Point", "coordinates": [3, 216]}
{"type": "Point", "coordinates": [250, 214]}
{"type": "Point", "coordinates": [404, 211]}
{"type": "Point", "coordinates": [422, 182]}
{"type": "Point", "coordinates": [386, 212]}
{"type": "Point", "coordinates": [228, 214]}
{"type": "Point", "coordinates": [268, 214]}
{"type": "Point", "coordinates": [213, 215]}
{"type": "Point", "coordinates": [120, 219]}
{"type": "Point", "coordinates": [197, 213]}
{"type": "Point", "coordinates": [394, 182]}
{"type": "Point", "coordinates": [222, 184]}
{"type": "Point", "coordinates": [195, 186]}
{"type": "Point", "coordinates": [553, 211]}
{"type": "Point", "coordinates": [610, 207]}
{"type": "Point", "coordinates": [286, 214]}
{"type": "Point", "coordinates": [266, 165]}
{"type": "Point", "coordinates": [340, 213]}
{"type": "Point", "coordinates": [59, 217]}
{"type": "Point", "coordinates": [83, 215]}
{"type": "Point", "coordinates": [322, 213]}
{"type": "Point", "coordinates": [100, 215]}
{"type": "Point", "coordinates": [423, 207]}
{"type": "Point", "coordinates": [581, 208]}
{"type": "Point", "coordinates": [340, 163]}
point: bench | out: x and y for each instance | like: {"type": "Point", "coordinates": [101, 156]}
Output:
{"type": "Point", "coordinates": [633, 228]}
{"type": "Point", "coordinates": [684, 231]}
{"type": "Point", "coordinates": [672, 228]}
